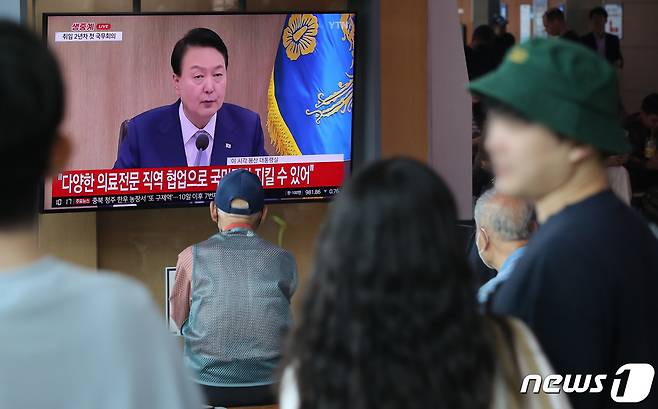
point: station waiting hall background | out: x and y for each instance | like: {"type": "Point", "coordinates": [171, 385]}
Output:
{"type": "Point", "coordinates": [417, 104]}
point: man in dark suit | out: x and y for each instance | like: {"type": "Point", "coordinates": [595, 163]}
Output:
{"type": "Point", "coordinates": [503, 40]}
{"type": "Point", "coordinates": [199, 129]}
{"type": "Point", "coordinates": [555, 25]}
{"type": "Point", "coordinates": [606, 45]}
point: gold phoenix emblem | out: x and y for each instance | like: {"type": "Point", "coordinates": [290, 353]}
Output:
{"type": "Point", "coordinates": [339, 101]}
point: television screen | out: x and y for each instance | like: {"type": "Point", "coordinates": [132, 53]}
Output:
{"type": "Point", "coordinates": [161, 106]}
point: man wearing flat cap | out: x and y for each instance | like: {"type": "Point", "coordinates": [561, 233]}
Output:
{"type": "Point", "coordinates": [587, 282]}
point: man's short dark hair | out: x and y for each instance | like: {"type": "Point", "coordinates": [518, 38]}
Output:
{"type": "Point", "coordinates": [598, 11]}
{"type": "Point", "coordinates": [484, 34]}
{"type": "Point", "coordinates": [197, 37]}
{"type": "Point", "coordinates": [650, 104]}
{"type": "Point", "coordinates": [493, 105]}
{"type": "Point", "coordinates": [32, 96]}
{"type": "Point", "coordinates": [553, 14]}
{"type": "Point", "coordinates": [496, 107]}
{"type": "Point", "coordinates": [498, 21]}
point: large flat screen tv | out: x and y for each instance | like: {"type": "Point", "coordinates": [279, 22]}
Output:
{"type": "Point", "coordinates": [161, 106]}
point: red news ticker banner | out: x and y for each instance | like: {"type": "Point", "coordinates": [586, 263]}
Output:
{"type": "Point", "coordinates": [79, 183]}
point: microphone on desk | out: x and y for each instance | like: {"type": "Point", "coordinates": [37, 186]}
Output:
{"type": "Point", "coordinates": [202, 141]}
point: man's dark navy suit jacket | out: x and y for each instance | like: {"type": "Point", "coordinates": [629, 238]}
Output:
{"type": "Point", "coordinates": [154, 138]}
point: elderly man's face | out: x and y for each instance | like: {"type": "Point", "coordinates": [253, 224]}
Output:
{"type": "Point", "coordinates": [202, 83]}
{"type": "Point", "coordinates": [483, 245]}
{"type": "Point", "coordinates": [528, 160]}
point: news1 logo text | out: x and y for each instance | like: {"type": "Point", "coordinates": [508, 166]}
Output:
{"type": "Point", "coordinates": [630, 384]}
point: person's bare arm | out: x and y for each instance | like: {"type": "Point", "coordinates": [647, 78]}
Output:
{"type": "Point", "coordinates": [180, 295]}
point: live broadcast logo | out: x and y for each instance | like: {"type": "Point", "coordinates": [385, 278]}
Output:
{"type": "Point", "coordinates": [90, 26]}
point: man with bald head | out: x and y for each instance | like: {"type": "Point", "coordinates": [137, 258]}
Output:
{"type": "Point", "coordinates": [504, 225]}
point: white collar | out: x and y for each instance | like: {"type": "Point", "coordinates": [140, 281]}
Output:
{"type": "Point", "coordinates": [189, 129]}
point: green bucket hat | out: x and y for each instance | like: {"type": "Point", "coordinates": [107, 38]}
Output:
{"type": "Point", "coordinates": [563, 86]}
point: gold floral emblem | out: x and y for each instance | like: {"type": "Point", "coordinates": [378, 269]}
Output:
{"type": "Point", "coordinates": [299, 35]}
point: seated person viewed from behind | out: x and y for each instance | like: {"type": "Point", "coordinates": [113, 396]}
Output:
{"type": "Point", "coordinates": [390, 318]}
{"type": "Point", "coordinates": [231, 299]}
{"type": "Point", "coordinates": [71, 338]}
{"type": "Point", "coordinates": [604, 44]}
{"type": "Point", "coordinates": [642, 130]}
{"type": "Point", "coordinates": [503, 225]}
{"type": "Point", "coordinates": [199, 129]}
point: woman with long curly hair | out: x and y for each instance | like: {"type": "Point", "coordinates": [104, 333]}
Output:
{"type": "Point", "coordinates": [390, 317]}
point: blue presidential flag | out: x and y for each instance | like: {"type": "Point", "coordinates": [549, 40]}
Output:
{"type": "Point", "coordinates": [310, 92]}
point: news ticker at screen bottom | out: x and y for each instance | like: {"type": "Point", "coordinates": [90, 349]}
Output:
{"type": "Point", "coordinates": [184, 198]}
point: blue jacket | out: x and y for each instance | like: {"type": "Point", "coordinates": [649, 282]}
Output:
{"type": "Point", "coordinates": [154, 138]}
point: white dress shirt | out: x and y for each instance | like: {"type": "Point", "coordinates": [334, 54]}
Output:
{"type": "Point", "coordinates": [189, 129]}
